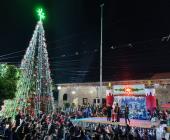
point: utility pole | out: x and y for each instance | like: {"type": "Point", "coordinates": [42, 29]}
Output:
{"type": "Point", "coordinates": [101, 49]}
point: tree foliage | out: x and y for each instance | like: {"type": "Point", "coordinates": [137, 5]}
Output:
{"type": "Point", "coordinates": [9, 75]}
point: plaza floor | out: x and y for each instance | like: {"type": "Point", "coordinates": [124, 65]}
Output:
{"type": "Point", "coordinates": [133, 122]}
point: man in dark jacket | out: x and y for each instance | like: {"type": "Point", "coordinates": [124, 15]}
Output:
{"type": "Point", "coordinates": [127, 114]}
{"type": "Point", "coordinates": [109, 113]}
{"type": "Point", "coordinates": [17, 119]}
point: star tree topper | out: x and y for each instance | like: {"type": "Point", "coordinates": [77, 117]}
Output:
{"type": "Point", "coordinates": [41, 14]}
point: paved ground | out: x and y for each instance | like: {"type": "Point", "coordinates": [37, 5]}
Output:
{"type": "Point", "coordinates": [133, 122]}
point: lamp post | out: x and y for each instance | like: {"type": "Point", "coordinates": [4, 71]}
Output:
{"type": "Point", "coordinates": [101, 50]}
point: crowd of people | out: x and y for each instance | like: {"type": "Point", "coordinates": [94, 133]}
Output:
{"type": "Point", "coordinates": [113, 113]}
{"type": "Point", "coordinates": [59, 125]}
{"type": "Point", "coordinates": [161, 115]}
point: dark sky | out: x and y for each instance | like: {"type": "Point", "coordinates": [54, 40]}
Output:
{"type": "Point", "coordinates": [132, 33]}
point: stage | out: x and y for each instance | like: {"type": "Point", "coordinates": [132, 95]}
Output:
{"type": "Point", "coordinates": [102, 120]}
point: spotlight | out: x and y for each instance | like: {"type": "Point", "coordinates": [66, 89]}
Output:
{"type": "Point", "coordinates": [73, 92]}
{"type": "Point", "coordinates": [59, 87]}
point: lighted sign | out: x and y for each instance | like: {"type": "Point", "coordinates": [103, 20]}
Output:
{"type": "Point", "coordinates": [129, 89]}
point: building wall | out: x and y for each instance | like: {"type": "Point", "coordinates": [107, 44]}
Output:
{"type": "Point", "coordinates": [162, 93]}
{"type": "Point", "coordinates": [89, 92]}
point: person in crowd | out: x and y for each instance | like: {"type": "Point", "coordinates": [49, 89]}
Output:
{"type": "Point", "coordinates": [104, 110]}
{"type": "Point", "coordinates": [109, 112]}
{"type": "Point", "coordinates": [7, 132]}
{"type": "Point", "coordinates": [17, 119]}
{"type": "Point", "coordinates": [165, 134]}
{"type": "Point", "coordinates": [113, 112]}
{"type": "Point", "coordinates": [117, 112]}
{"type": "Point", "coordinates": [127, 114]}
{"type": "Point", "coordinates": [155, 114]}
{"type": "Point", "coordinates": [89, 112]}
{"type": "Point", "coordinates": [136, 135]}
{"type": "Point", "coordinates": [164, 115]}
{"type": "Point", "coordinates": [149, 114]}
{"type": "Point", "coordinates": [61, 127]}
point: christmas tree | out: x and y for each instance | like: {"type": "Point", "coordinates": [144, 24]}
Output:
{"type": "Point", "coordinates": [34, 88]}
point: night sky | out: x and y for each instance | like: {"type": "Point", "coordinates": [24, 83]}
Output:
{"type": "Point", "coordinates": [133, 43]}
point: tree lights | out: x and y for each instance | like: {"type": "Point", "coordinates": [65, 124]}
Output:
{"type": "Point", "coordinates": [34, 88]}
{"type": "Point", "coordinates": [40, 14]}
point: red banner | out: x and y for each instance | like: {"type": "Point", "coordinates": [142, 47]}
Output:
{"type": "Point", "coordinates": [109, 98]}
{"type": "Point", "coordinates": [151, 103]}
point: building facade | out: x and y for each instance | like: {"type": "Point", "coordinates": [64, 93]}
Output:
{"type": "Point", "coordinates": [83, 93]}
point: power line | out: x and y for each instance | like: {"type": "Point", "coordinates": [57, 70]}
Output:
{"type": "Point", "coordinates": [12, 53]}
{"type": "Point", "coordinates": [10, 57]}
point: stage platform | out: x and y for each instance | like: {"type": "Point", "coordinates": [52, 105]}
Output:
{"type": "Point", "coordinates": [103, 120]}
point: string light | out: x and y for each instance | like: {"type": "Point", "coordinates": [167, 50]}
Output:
{"type": "Point", "coordinates": [41, 14]}
{"type": "Point", "coordinates": [35, 70]}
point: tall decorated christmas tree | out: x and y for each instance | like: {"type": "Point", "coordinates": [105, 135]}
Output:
{"type": "Point", "coordinates": [34, 89]}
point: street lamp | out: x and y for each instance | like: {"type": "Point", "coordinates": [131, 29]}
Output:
{"type": "Point", "coordinates": [101, 51]}
{"type": "Point", "coordinates": [59, 87]}
{"type": "Point", "coordinates": [73, 92]}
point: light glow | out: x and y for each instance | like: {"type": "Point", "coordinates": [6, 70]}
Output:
{"type": "Point", "coordinates": [128, 90]}
{"type": "Point", "coordinates": [41, 14]}
{"type": "Point", "coordinates": [91, 91]}
{"type": "Point", "coordinates": [59, 87]}
{"type": "Point", "coordinates": [73, 92]}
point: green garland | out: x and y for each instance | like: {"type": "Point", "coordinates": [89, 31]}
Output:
{"type": "Point", "coordinates": [132, 89]}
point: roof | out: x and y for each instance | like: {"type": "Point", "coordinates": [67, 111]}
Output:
{"type": "Point", "coordinates": [165, 75]}
{"type": "Point", "coordinates": [162, 78]}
